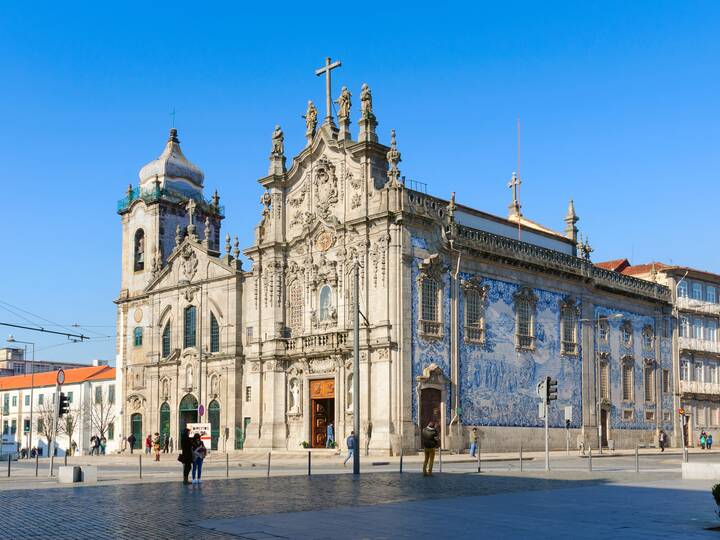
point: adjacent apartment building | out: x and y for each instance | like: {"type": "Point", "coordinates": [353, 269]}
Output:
{"type": "Point", "coordinates": [695, 345]}
{"type": "Point", "coordinates": [14, 362]}
{"type": "Point", "coordinates": [27, 405]}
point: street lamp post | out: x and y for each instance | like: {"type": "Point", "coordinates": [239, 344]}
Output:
{"type": "Point", "coordinates": [11, 339]}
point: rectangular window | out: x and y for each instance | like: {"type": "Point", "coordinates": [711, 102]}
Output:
{"type": "Point", "coordinates": [627, 382]}
{"type": "Point", "coordinates": [6, 427]}
{"type": "Point", "coordinates": [166, 341]}
{"type": "Point", "coordinates": [712, 373]}
{"type": "Point", "coordinates": [214, 334]}
{"type": "Point", "coordinates": [41, 399]}
{"type": "Point", "coordinates": [249, 332]}
{"type": "Point", "coordinates": [697, 328]}
{"type": "Point", "coordinates": [649, 416]}
{"type": "Point", "coordinates": [698, 371]}
{"type": "Point", "coordinates": [603, 329]}
{"type": "Point", "coordinates": [137, 337]}
{"type": "Point", "coordinates": [98, 395]}
{"type": "Point", "coordinates": [649, 383]}
{"type": "Point", "coordinates": [684, 326]}
{"type": "Point", "coordinates": [627, 415]}
{"type": "Point", "coordinates": [524, 321]}
{"type": "Point", "coordinates": [697, 291]}
{"type": "Point", "coordinates": [682, 289]}
{"type": "Point", "coordinates": [711, 294]}
{"type": "Point", "coordinates": [684, 371]}
{"type": "Point", "coordinates": [429, 307]}
{"type": "Point", "coordinates": [248, 393]}
{"type": "Point", "coordinates": [666, 381]}
{"type": "Point", "coordinates": [111, 393]}
{"type": "Point", "coordinates": [70, 397]}
{"type": "Point", "coordinates": [190, 327]}
{"type": "Point", "coordinates": [14, 401]}
{"type": "Point", "coordinates": [604, 380]}
{"type": "Point", "coordinates": [296, 310]}
{"type": "Point", "coordinates": [711, 329]}
{"type": "Point", "coordinates": [6, 404]}
{"type": "Point", "coordinates": [474, 324]}
{"type": "Point", "coordinates": [26, 425]}
{"type": "Point", "coordinates": [666, 417]}
{"type": "Point", "coordinates": [27, 400]}
{"type": "Point", "coordinates": [13, 427]}
{"type": "Point", "coordinates": [111, 431]}
{"type": "Point", "coordinates": [568, 322]}
{"type": "Point", "coordinates": [40, 426]}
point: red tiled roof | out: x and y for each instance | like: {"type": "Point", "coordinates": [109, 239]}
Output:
{"type": "Point", "coordinates": [48, 378]}
{"type": "Point", "coordinates": [643, 268]}
{"type": "Point", "coordinates": [616, 265]}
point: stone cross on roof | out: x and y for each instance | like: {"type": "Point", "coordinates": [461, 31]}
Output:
{"type": "Point", "coordinates": [514, 184]}
{"type": "Point", "coordinates": [329, 66]}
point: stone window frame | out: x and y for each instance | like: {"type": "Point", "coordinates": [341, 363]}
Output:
{"type": "Point", "coordinates": [569, 309]}
{"type": "Point", "coordinates": [431, 271]}
{"type": "Point", "coordinates": [604, 368]}
{"type": "Point", "coordinates": [525, 296]}
{"type": "Point", "coordinates": [214, 333]}
{"type": "Point", "coordinates": [626, 331]}
{"type": "Point", "coordinates": [650, 415]}
{"type": "Point", "coordinates": [139, 254]}
{"type": "Point", "coordinates": [603, 329]}
{"type": "Point", "coordinates": [649, 366]}
{"type": "Point", "coordinates": [330, 314]}
{"type": "Point", "coordinates": [166, 340]}
{"type": "Point", "coordinates": [648, 337]}
{"type": "Point", "coordinates": [474, 332]}
{"type": "Point", "coordinates": [628, 415]}
{"type": "Point", "coordinates": [627, 362]}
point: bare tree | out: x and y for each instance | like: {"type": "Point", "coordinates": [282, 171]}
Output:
{"type": "Point", "coordinates": [68, 425]}
{"type": "Point", "coordinates": [44, 422]}
{"type": "Point", "coordinates": [102, 413]}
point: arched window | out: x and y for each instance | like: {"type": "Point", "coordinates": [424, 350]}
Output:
{"type": "Point", "coordinates": [325, 303]}
{"type": "Point", "coordinates": [214, 334]}
{"type": "Point", "coordinates": [626, 333]}
{"type": "Point", "coordinates": [568, 328]}
{"type": "Point", "coordinates": [474, 311]}
{"type": "Point", "coordinates": [139, 251]}
{"type": "Point", "coordinates": [525, 302]}
{"type": "Point", "coordinates": [137, 336]}
{"type": "Point", "coordinates": [166, 340]}
{"type": "Point", "coordinates": [190, 327]}
{"type": "Point", "coordinates": [295, 308]}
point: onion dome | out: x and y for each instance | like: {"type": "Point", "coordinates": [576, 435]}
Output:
{"type": "Point", "coordinates": [172, 169]}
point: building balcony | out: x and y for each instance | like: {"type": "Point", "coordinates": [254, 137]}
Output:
{"type": "Point", "coordinates": [702, 345]}
{"type": "Point", "coordinates": [317, 343]}
{"type": "Point", "coordinates": [700, 306]}
{"type": "Point", "coordinates": [698, 387]}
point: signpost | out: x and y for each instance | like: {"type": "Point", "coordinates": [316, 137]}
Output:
{"type": "Point", "coordinates": [59, 381]}
{"type": "Point", "coordinates": [203, 429]}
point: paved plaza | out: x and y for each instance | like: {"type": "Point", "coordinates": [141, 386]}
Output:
{"type": "Point", "coordinates": [457, 504]}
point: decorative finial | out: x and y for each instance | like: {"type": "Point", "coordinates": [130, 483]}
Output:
{"type": "Point", "coordinates": [393, 157]}
{"type": "Point", "coordinates": [587, 249]}
{"type": "Point", "coordinates": [236, 245]}
{"type": "Point", "coordinates": [515, 206]}
{"type": "Point", "coordinates": [451, 225]}
{"type": "Point", "coordinates": [207, 231]}
{"type": "Point", "coordinates": [653, 273]}
{"type": "Point", "coordinates": [227, 244]}
{"type": "Point", "coordinates": [173, 136]}
{"type": "Point", "coordinates": [130, 193]}
{"type": "Point", "coordinates": [571, 219]}
{"type": "Point", "coordinates": [191, 204]}
{"type": "Point", "coordinates": [178, 235]}
{"type": "Point", "coordinates": [325, 70]}
{"type": "Point", "coordinates": [216, 201]}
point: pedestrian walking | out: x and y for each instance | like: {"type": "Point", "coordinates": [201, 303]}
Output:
{"type": "Point", "coordinates": [662, 440]}
{"type": "Point", "coordinates": [73, 448]}
{"type": "Point", "coordinates": [702, 440]}
{"type": "Point", "coordinates": [92, 445]}
{"type": "Point", "coordinates": [708, 441]}
{"type": "Point", "coordinates": [186, 454]}
{"type": "Point", "coordinates": [473, 441]}
{"type": "Point", "coordinates": [148, 444]}
{"type": "Point", "coordinates": [350, 446]}
{"type": "Point", "coordinates": [131, 442]}
{"type": "Point", "coordinates": [199, 453]}
{"type": "Point", "coordinates": [103, 444]}
{"type": "Point", "coordinates": [166, 443]}
{"type": "Point", "coordinates": [430, 441]}
{"type": "Point", "coordinates": [156, 446]}
{"type": "Point", "coordinates": [330, 439]}
{"type": "Point", "coordinates": [172, 445]}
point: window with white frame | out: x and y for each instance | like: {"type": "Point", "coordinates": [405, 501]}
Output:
{"type": "Point", "coordinates": [682, 289]}
{"type": "Point", "coordinates": [697, 371]}
{"type": "Point", "coordinates": [684, 370]}
{"type": "Point", "coordinates": [525, 302]}
{"type": "Point", "coordinates": [711, 294]}
{"type": "Point", "coordinates": [568, 328]}
{"type": "Point", "coordinates": [626, 333]}
{"type": "Point", "coordinates": [474, 312]}
{"type": "Point", "coordinates": [697, 328]}
{"type": "Point", "coordinates": [711, 327]}
{"type": "Point", "coordinates": [429, 307]}
{"type": "Point", "coordinates": [684, 328]}
{"type": "Point", "coordinates": [627, 380]}
{"type": "Point", "coordinates": [697, 291]}
{"type": "Point", "coordinates": [649, 380]}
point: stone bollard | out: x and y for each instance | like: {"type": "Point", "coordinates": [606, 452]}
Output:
{"type": "Point", "coordinates": [401, 459]}
{"type": "Point", "coordinates": [227, 465]}
{"type": "Point", "coordinates": [521, 460]}
{"type": "Point", "coordinates": [68, 474]}
{"type": "Point", "coordinates": [590, 460]}
{"type": "Point", "coordinates": [268, 466]}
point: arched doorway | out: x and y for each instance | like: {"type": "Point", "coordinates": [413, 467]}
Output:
{"type": "Point", "coordinates": [164, 420]}
{"type": "Point", "coordinates": [188, 412]}
{"type": "Point", "coordinates": [430, 399]}
{"type": "Point", "coordinates": [137, 430]}
{"type": "Point", "coordinates": [214, 419]}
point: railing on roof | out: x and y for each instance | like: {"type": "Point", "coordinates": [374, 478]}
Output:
{"type": "Point", "coordinates": [415, 185]}
{"type": "Point", "coordinates": [154, 194]}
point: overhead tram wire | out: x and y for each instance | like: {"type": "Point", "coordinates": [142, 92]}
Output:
{"type": "Point", "coordinates": [36, 316]}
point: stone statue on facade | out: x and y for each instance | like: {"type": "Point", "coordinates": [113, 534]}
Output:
{"type": "Point", "coordinates": [278, 142]}
{"type": "Point", "coordinates": [344, 103]}
{"type": "Point", "coordinates": [311, 121]}
{"type": "Point", "coordinates": [366, 106]}
{"type": "Point", "coordinates": [294, 396]}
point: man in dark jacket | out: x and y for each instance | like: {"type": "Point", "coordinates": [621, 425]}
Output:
{"type": "Point", "coordinates": [131, 442]}
{"type": "Point", "coordinates": [186, 455]}
{"type": "Point", "coordinates": [430, 441]}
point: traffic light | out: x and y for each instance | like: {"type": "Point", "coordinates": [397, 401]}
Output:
{"type": "Point", "coordinates": [550, 389]}
{"type": "Point", "coordinates": [64, 405]}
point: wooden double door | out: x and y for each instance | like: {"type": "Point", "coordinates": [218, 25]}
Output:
{"type": "Point", "coordinates": [322, 406]}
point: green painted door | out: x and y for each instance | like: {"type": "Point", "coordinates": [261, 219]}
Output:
{"type": "Point", "coordinates": [137, 429]}
{"type": "Point", "coordinates": [188, 412]}
{"type": "Point", "coordinates": [214, 419]}
{"type": "Point", "coordinates": [164, 420]}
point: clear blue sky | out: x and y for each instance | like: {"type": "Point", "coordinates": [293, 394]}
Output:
{"type": "Point", "coordinates": [619, 104]}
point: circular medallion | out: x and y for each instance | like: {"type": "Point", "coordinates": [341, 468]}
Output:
{"type": "Point", "coordinates": [324, 241]}
{"type": "Point", "coordinates": [138, 315]}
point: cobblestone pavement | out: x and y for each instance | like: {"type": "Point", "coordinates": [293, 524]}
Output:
{"type": "Point", "coordinates": [171, 510]}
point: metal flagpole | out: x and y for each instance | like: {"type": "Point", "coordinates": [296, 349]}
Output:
{"type": "Point", "coordinates": [356, 369]}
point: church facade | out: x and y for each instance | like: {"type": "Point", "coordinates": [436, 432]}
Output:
{"type": "Point", "coordinates": [464, 312]}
